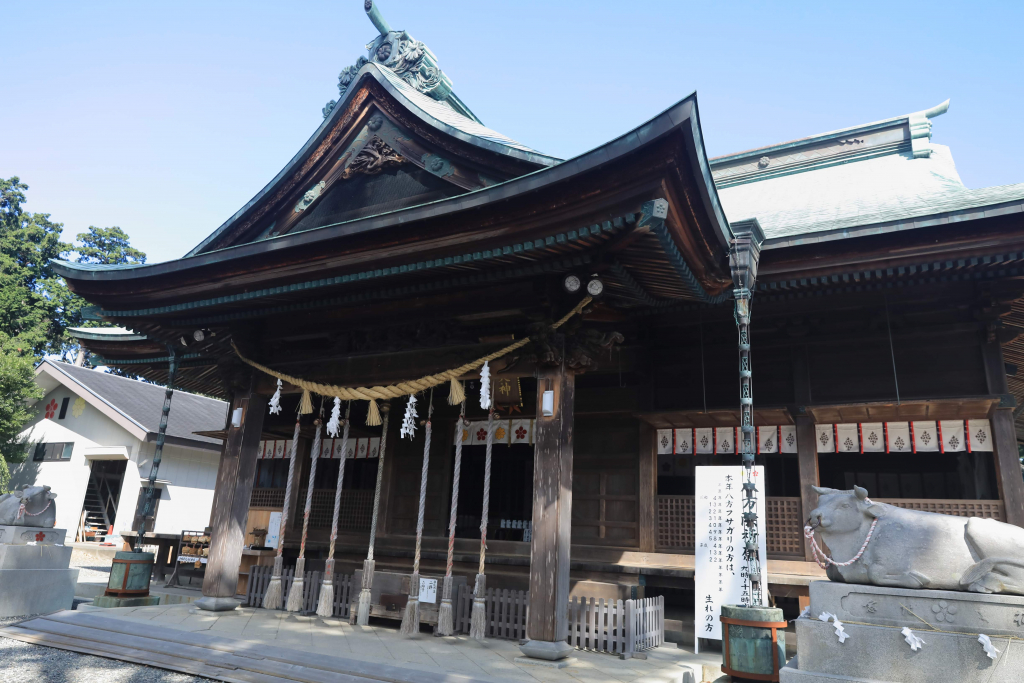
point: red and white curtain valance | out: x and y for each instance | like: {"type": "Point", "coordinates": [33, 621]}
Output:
{"type": "Point", "coordinates": [274, 450]}
{"type": "Point", "coordinates": [921, 436]}
{"type": "Point", "coordinates": [722, 440]}
{"type": "Point", "coordinates": [366, 447]}
{"type": "Point", "coordinates": [506, 432]}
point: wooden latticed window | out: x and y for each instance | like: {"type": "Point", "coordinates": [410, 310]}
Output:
{"type": "Point", "coordinates": [783, 527]}
{"type": "Point", "coordinates": [676, 523]}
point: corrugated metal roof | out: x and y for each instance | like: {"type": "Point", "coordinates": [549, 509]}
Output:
{"type": "Point", "coordinates": [860, 193]}
{"type": "Point", "coordinates": [143, 403]}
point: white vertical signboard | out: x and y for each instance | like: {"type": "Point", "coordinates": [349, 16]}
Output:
{"type": "Point", "coordinates": [720, 568]}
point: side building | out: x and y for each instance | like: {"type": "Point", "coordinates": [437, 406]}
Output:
{"type": "Point", "coordinates": [92, 442]}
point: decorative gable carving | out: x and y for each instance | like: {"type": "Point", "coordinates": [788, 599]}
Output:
{"type": "Point", "coordinates": [373, 158]}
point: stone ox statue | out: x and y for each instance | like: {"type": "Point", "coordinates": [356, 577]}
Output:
{"type": "Point", "coordinates": [31, 506]}
{"type": "Point", "coordinates": [916, 549]}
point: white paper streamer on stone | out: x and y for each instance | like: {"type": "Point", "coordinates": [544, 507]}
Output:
{"type": "Point", "coordinates": [275, 400]}
{"type": "Point", "coordinates": [485, 386]}
{"type": "Point", "coordinates": [840, 631]}
{"type": "Point", "coordinates": [805, 613]}
{"type": "Point", "coordinates": [334, 424]}
{"type": "Point", "coordinates": [986, 643]}
{"type": "Point", "coordinates": [409, 421]}
{"type": "Point", "coordinates": [913, 641]}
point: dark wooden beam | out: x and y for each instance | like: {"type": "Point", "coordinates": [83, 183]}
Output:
{"type": "Point", "coordinates": [231, 496]}
{"type": "Point", "coordinates": [552, 517]}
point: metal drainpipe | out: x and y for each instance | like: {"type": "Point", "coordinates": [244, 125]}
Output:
{"type": "Point", "coordinates": [158, 452]}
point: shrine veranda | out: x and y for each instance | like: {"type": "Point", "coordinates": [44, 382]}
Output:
{"type": "Point", "coordinates": [406, 240]}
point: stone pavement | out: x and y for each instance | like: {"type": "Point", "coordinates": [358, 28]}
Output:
{"type": "Point", "coordinates": [491, 660]}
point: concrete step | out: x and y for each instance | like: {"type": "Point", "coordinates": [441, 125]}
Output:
{"type": "Point", "coordinates": [204, 654]}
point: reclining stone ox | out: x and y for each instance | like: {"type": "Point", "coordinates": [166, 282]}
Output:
{"type": "Point", "coordinates": [31, 506]}
{"type": "Point", "coordinates": [917, 549]}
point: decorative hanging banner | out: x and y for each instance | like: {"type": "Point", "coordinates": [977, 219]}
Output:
{"type": "Point", "coordinates": [664, 442]}
{"type": "Point", "coordinates": [684, 441]}
{"type": "Point", "coordinates": [823, 435]}
{"type": "Point", "coordinates": [787, 438]}
{"type": "Point", "coordinates": [980, 435]}
{"type": "Point", "coordinates": [521, 431]}
{"type": "Point", "coordinates": [326, 449]}
{"type": "Point", "coordinates": [339, 454]}
{"type": "Point", "coordinates": [719, 567]}
{"type": "Point", "coordinates": [374, 449]}
{"type": "Point", "coordinates": [767, 440]}
{"type": "Point", "coordinates": [848, 439]}
{"type": "Point", "coordinates": [704, 440]}
{"type": "Point", "coordinates": [873, 437]}
{"type": "Point", "coordinates": [899, 437]}
{"type": "Point", "coordinates": [274, 450]}
{"type": "Point", "coordinates": [725, 441]}
{"type": "Point", "coordinates": [926, 436]}
{"type": "Point", "coordinates": [952, 436]}
{"type": "Point", "coordinates": [362, 447]}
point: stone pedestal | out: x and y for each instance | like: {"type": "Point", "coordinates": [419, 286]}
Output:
{"type": "Point", "coordinates": [35, 577]}
{"type": "Point", "coordinates": [877, 651]}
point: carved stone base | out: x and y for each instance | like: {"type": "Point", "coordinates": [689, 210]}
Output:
{"type": "Point", "coordinates": [35, 580]}
{"type": "Point", "coordinates": [876, 650]}
{"type": "Point", "coordinates": [32, 535]}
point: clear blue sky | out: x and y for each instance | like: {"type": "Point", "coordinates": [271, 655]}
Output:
{"type": "Point", "coordinates": [165, 118]}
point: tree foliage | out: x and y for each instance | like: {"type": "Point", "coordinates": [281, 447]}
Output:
{"type": "Point", "coordinates": [36, 306]}
{"type": "Point", "coordinates": [109, 246]}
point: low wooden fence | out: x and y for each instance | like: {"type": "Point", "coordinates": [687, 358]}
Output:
{"type": "Point", "coordinates": [505, 610]}
{"type": "Point", "coordinates": [259, 579]}
{"type": "Point", "coordinates": [621, 627]}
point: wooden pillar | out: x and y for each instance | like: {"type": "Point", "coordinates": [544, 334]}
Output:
{"type": "Point", "coordinates": [1007, 461]}
{"type": "Point", "coordinates": [1004, 436]}
{"type": "Point", "coordinates": [648, 513]}
{"type": "Point", "coordinates": [807, 462]}
{"type": "Point", "coordinates": [231, 496]}
{"type": "Point", "coordinates": [547, 628]}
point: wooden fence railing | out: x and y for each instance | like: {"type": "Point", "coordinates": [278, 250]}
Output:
{"type": "Point", "coordinates": [622, 627]}
{"type": "Point", "coordinates": [647, 618]}
{"type": "Point", "coordinates": [259, 579]}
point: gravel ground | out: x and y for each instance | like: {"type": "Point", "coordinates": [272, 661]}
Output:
{"type": "Point", "coordinates": [24, 663]}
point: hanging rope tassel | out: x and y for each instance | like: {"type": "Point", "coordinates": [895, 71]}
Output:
{"type": "Point", "coordinates": [294, 601]}
{"type": "Point", "coordinates": [305, 403]}
{"type": "Point", "coordinates": [411, 618]}
{"type": "Point", "coordinates": [363, 613]}
{"type": "Point", "coordinates": [445, 627]}
{"type": "Point", "coordinates": [372, 414]}
{"type": "Point", "coordinates": [456, 394]}
{"type": "Point", "coordinates": [272, 598]}
{"type": "Point", "coordinates": [325, 606]}
{"type": "Point", "coordinates": [478, 619]}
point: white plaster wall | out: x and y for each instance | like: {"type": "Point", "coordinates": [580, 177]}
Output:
{"type": "Point", "coordinates": [68, 479]}
{"type": "Point", "coordinates": [186, 500]}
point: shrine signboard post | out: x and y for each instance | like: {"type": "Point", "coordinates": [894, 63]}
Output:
{"type": "Point", "coordinates": [719, 563]}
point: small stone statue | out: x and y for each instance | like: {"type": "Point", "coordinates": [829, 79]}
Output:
{"type": "Point", "coordinates": [884, 545]}
{"type": "Point", "coordinates": [31, 506]}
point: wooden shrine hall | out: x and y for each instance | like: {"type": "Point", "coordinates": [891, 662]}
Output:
{"type": "Point", "coordinates": [406, 240]}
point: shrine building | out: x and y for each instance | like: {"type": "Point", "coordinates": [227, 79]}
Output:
{"type": "Point", "coordinates": [406, 239]}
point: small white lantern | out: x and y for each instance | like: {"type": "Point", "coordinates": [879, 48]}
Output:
{"type": "Point", "coordinates": [547, 408]}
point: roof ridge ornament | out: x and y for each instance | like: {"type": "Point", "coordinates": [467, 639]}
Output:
{"type": "Point", "coordinates": [921, 129]}
{"type": "Point", "coordinates": [408, 58]}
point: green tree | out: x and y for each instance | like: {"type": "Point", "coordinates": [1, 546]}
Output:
{"type": "Point", "coordinates": [17, 387]}
{"type": "Point", "coordinates": [33, 300]}
{"type": "Point", "coordinates": [110, 246]}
